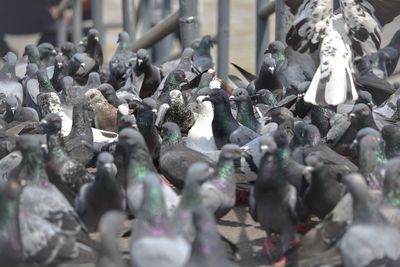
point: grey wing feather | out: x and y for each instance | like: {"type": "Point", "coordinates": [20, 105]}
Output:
{"type": "Point", "coordinates": [242, 135]}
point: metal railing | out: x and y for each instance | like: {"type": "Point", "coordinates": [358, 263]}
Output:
{"type": "Point", "coordinates": [185, 20]}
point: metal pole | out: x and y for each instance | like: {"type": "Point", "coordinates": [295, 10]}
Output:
{"type": "Point", "coordinates": [127, 18]}
{"type": "Point", "coordinates": [97, 16]}
{"type": "Point", "coordinates": [223, 39]}
{"type": "Point", "coordinates": [279, 20]}
{"type": "Point", "coordinates": [188, 21]}
{"type": "Point", "coordinates": [262, 37]}
{"type": "Point", "coordinates": [163, 48]}
{"type": "Point", "coordinates": [77, 21]}
{"type": "Point", "coordinates": [61, 31]}
{"type": "Point", "coordinates": [146, 14]}
{"type": "Point", "coordinates": [168, 25]}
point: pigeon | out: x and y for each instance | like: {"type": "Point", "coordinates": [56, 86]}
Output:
{"type": "Point", "coordinates": [110, 227]}
{"type": "Point", "coordinates": [378, 239]}
{"type": "Point", "coordinates": [197, 174]}
{"type": "Point", "coordinates": [66, 173]}
{"type": "Point", "coordinates": [9, 84]}
{"type": "Point", "coordinates": [172, 81]}
{"type": "Point", "coordinates": [225, 128]}
{"type": "Point", "coordinates": [105, 113]}
{"type": "Point", "coordinates": [17, 113]}
{"type": "Point", "coordinates": [152, 75]}
{"type": "Point", "coordinates": [68, 50]}
{"type": "Point", "coordinates": [47, 54]}
{"type": "Point", "coordinates": [200, 136]}
{"type": "Point", "coordinates": [44, 208]}
{"type": "Point", "coordinates": [390, 135]}
{"type": "Point", "coordinates": [32, 52]}
{"type": "Point", "coordinates": [174, 153]}
{"type": "Point", "coordinates": [146, 119]}
{"type": "Point", "coordinates": [245, 114]}
{"type": "Point", "coordinates": [108, 92]}
{"type": "Point", "coordinates": [371, 159]}
{"type": "Point", "coordinates": [177, 112]}
{"type": "Point", "coordinates": [102, 195]}
{"type": "Point", "coordinates": [94, 49]}
{"type": "Point", "coordinates": [283, 117]}
{"type": "Point", "coordinates": [380, 89]}
{"type": "Point", "coordinates": [121, 61]}
{"type": "Point", "coordinates": [219, 192]}
{"type": "Point", "coordinates": [325, 190]}
{"type": "Point", "coordinates": [272, 200]}
{"type": "Point", "coordinates": [207, 248]}
{"type": "Point", "coordinates": [294, 70]}
{"type": "Point", "coordinates": [202, 59]}
{"type": "Point", "coordinates": [137, 164]}
{"type": "Point", "coordinates": [78, 144]}
{"type": "Point", "coordinates": [59, 73]}
{"type": "Point", "coordinates": [155, 241]}
{"type": "Point", "coordinates": [392, 53]}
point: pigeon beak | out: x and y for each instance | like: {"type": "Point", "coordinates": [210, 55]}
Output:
{"type": "Point", "coordinates": [264, 148]}
{"type": "Point", "coordinates": [54, 52]}
{"type": "Point", "coordinates": [97, 38]}
{"type": "Point", "coordinates": [309, 169]}
{"type": "Point", "coordinates": [154, 110]}
{"type": "Point", "coordinates": [43, 123]}
{"type": "Point", "coordinates": [352, 115]}
{"type": "Point", "coordinates": [207, 98]}
{"type": "Point", "coordinates": [267, 51]}
{"type": "Point", "coordinates": [13, 109]}
{"type": "Point", "coordinates": [232, 98]}
{"type": "Point", "coordinates": [83, 66]}
{"type": "Point", "coordinates": [140, 62]}
{"type": "Point", "coordinates": [59, 64]}
{"type": "Point", "coordinates": [271, 69]}
{"type": "Point", "coordinates": [267, 120]}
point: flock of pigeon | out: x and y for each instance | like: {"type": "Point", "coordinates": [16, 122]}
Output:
{"type": "Point", "coordinates": [158, 154]}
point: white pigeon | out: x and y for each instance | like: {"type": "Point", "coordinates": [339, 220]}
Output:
{"type": "Point", "coordinates": [200, 136]}
{"type": "Point", "coordinates": [351, 32]}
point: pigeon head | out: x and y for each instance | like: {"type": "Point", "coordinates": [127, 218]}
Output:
{"type": "Point", "coordinates": [355, 146]}
{"type": "Point", "coordinates": [51, 123]}
{"type": "Point", "coordinates": [239, 94]}
{"type": "Point", "coordinates": [95, 97]}
{"type": "Point", "coordinates": [199, 173]}
{"type": "Point", "coordinates": [391, 183]}
{"type": "Point", "coordinates": [105, 162]}
{"type": "Point", "coordinates": [123, 37]}
{"type": "Point", "coordinates": [127, 121]}
{"type": "Point", "coordinates": [206, 43]}
{"type": "Point", "coordinates": [176, 96]}
{"type": "Point", "coordinates": [231, 151]}
{"type": "Point", "coordinates": [360, 113]}
{"type": "Point", "coordinates": [43, 79]}
{"type": "Point", "coordinates": [27, 143]}
{"type": "Point", "coordinates": [142, 57]}
{"type": "Point", "coordinates": [314, 161]}
{"type": "Point", "coordinates": [46, 49]}
{"type": "Point", "coordinates": [67, 82]}
{"type": "Point", "coordinates": [68, 50]}
{"type": "Point", "coordinates": [275, 48]}
{"type": "Point", "coordinates": [58, 62]}
{"type": "Point", "coordinates": [187, 54]}
{"type": "Point", "coordinates": [106, 90]}
{"type": "Point", "coordinates": [93, 35]}
{"type": "Point", "coordinates": [11, 58]}
{"type": "Point", "coordinates": [129, 137]}
{"type": "Point", "coordinates": [149, 104]}
{"type": "Point", "coordinates": [269, 64]}
{"type": "Point", "coordinates": [216, 96]}
{"type": "Point", "coordinates": [366, 98]}
{"type": "Point", "coordinates": [179, 76]}
{"type": "Point", "coordinates": [279, 115]}
{"type": "Point", "coordinates": [32, 52]}
{"type": "Point", "coordinates": [281, 139]}
{"type": "Point", "coordinates": [264, 96]}
{"type": "Point", "coordinates": [12, 103]}
{"type": "Point", "coordinates": [267, 144]}
{"type": "Point", "coordinates": [171, 130]}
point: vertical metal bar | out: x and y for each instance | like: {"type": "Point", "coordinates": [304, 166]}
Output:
{"type": "Point", "coordinates": [262, 37]}
{"type": "Point", "coordinates": [77, 21]}
{"type": "Point", "coordinates": [146, 14]}
{"type": "Point", "coordinates": [61, 31]}
{"type": "Point", "coordinates": [280, 20]}
{"type": "Point", "coordinates": [97, 16]}
{"type": "Point", "coordinates": [162, 48]}
{"type": "Point", "coordinates": [223, 39]}
{"type": "Point", "coordinates": [127, 18]}
{"type": "Point", "coordinates": [188, 21]}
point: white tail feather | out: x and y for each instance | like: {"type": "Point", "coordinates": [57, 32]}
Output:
{"type": "Point", "coordinates": [311, 93]}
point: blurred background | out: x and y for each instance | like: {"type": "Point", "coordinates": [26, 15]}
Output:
{"type": "Point", "coordinates": [17, 29]}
